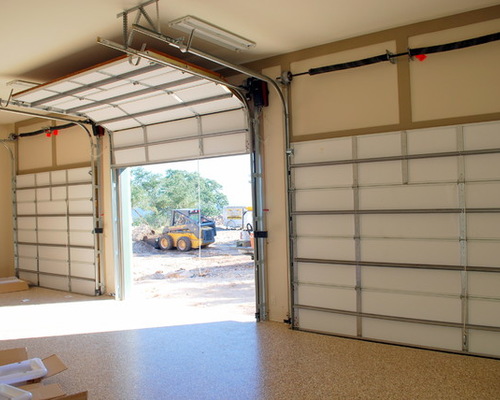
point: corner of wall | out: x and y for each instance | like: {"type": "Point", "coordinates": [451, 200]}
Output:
{"type": "Point", "coordinates": [6, 226]}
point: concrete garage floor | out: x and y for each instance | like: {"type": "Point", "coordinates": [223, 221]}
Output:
{"type": "Point", "coordinates": [238, 360]}
{"type": "Point", "coordinates": [187, 357]}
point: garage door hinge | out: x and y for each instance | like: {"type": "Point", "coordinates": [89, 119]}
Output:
{"type": "Point", "coordinates": [98, 230]}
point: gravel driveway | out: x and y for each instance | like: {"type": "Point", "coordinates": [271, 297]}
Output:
{"type": "Point", "coordinates": [216, 277]}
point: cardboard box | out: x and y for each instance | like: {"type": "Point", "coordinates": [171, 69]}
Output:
{"type": "Point", "coordinates": [12, 284]}
{"type": "Point", "coordinates": [38, 389]}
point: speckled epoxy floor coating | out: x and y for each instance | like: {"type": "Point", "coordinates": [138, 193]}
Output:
{"type": "Point", "coordinates": [246, 360]}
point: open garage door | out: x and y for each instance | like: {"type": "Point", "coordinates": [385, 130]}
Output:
{"type": "Point", "coordinates": [156, 111]}
{"type": "Point", "coordinates": [397, 238]}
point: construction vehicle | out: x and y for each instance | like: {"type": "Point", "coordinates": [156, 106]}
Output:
{"type": "Point", "coordinates": [188, 229]}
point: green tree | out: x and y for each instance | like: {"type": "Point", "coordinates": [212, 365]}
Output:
{"type": "Point", "coordinates": [157, 194]}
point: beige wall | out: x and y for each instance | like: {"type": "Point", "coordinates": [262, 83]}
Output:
{"type": "Point", "coordinates": [276, 203]}
{"type": "Point", "coordinates": [6, 235]}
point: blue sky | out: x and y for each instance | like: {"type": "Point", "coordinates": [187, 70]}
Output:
{"type": "Point", "coordinates": [232, 172]}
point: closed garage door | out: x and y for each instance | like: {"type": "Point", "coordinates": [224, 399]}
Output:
{"type": "Point", "coordinates": [397, 237]}
{"type": "Point", "coordinates": [56, 247]}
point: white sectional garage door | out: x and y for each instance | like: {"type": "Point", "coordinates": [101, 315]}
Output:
{"type": "Point", "coordinates": [396, 237]}
{"type": "Point", "coordinates": [55, 221]}
{"type": "Point", "coordinates": [155, 111]}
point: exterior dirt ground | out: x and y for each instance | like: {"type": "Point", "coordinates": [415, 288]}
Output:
{"type": "Point", "coordinates": [218, 277]}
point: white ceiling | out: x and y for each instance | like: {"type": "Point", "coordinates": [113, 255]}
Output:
{"type": "Point", "coordinates": [46, 39]}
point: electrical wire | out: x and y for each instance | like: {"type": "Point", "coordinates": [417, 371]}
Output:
{"type": "Point", "coordinates": [411, 53]}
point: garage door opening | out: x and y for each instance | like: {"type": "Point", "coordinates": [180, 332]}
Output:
{"type": "Point", "coordinates": [209, 203]}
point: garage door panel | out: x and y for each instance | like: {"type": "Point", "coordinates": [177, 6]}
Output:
{"type": "Point", "coordinates": [81, 238]}
{"type": "Point", "coordinates": [81, 223]}
{"type": "Point", "coordinates": [54, 282]}
{"type": "Point", "coordinates": [53, 252]}
{"type": "Point", "coordinates": [43, 178]}
{"type": "Point", "coordinates": [328, 274]}
{"type": "Point", "coordinates": [80, 206]}
{"type": "Point", "coordinates": [323, 177]}
{"type": "Point", "coordinates": [59, 193]}
{"type": "Point", "coordinates": [43, 194]}
{"type": "Point", "coordinates": [30, 264]}
{"type": "Point", "coordinates": [173, 151]}
{"type": "Point", "coordinates": [170, 130]}
{"type": "Point", "coordinates": [482, 167]}
{"type": "Point", "coordinates": [26, 236]}
{"type": "Point", "coordinates": [416, 334]}
{"type": "Point", "coordinates": [324, 200]}
{"type": "Point", "coordinates": [485, 284]}
{"type": "Point", "coordinates": [82, 255]}
{"type": "Point", "coordinates": [383, 145]}
{"type": "Point", "coordinates": [325, 225]}
{"type": "Point", "coordinates": [411, 251]}
{"type": "Point", "coordinates": [51, 207]}
{"type": "Point", "coordinates": [327, 322]}
{"type": "Point", "coordinates": [482, 195]}
{"type": "Point", "coordinates": [482, 136]}
{"type": "Point", "coordinates": [26, 208]}
{"type": "Point", "coordinates": [419, 306]}
{"type": "Point", "coordinates": [435, 140]}
{"type": "Point", "coordinates": [54, 267]}
{"type": "Point", "coordinates": [325, 248]}
{"type": "Point", "coordinates": [25, 195]}
{"type": "Point", "coordinates": [484, 311]}
{"type": "Point", "coordinates": [83, 286]}
{"type": "Point", "coordinates": [82, 270]}
{"type": "Point", "coordinates": [80, 192]}
{"type": "Point", "coordinates": [223, 122]}
{"type": "Point", "coordinates": [79, 175]}
{"type": "Point", "coordinates": [224, 145]}
{"type": "Point", "coordinates": [484, 342]}
{"type": "Point", "coordinates": [412, 280]}
{"type": "Point", "coordinates": [58, 178]}
{"type": "Point", "coordinates": [326, 297]}
{"type": "Point", "coordinates": [24, 181]}
{"type": "Point", "coordinates": [26, 223]}
{"type": "Point", "coordinates": [29, 277]}
{"type": "Point", "coordinates": [484, 253]}
{"type": "Point", "coordinates": [408, 197]}
{"type": "Point", "coordinates": [54, 223]}
{"type": "Point", "coordinates": [53, 237]}
{"type": "Point", "coordinates": [322, 150]}
{"type": "Point", "coordinates": [380, 173]}
{"type": "Point", "coordinates": [130, 156]}
{"type": "Point", "coordinates": [433, 170]}
{"type": "Point", "coordinates": [410, 226]}
{"type": "Point", "coordinates": [483, 226]}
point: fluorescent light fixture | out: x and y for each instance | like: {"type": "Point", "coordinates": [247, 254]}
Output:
{"type": "Point", "coordinates": [20, 82]}
{"type": "Point", "coordinates": [211, 33]}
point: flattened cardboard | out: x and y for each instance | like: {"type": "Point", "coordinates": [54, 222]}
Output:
{"type": "Point", "coordinates": [54, 365]}
{"type": "Point", "coordinates": [12, 284]}
{"type": "Point", "coordinates": [76, 396]}
{"type": "Point", "coordinates": [11, 356]}
{"type": "Point", "coordinates": [44, 392]}
{"type": "Point", "coordinates": [40, 391]}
